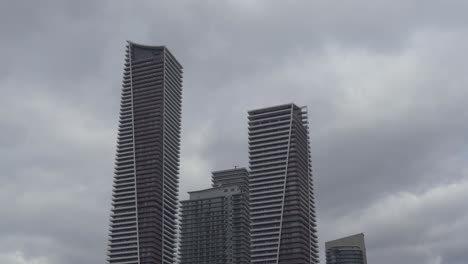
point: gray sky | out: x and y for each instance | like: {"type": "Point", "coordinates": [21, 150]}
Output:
{"type": "Point", "coordinates": [385, 83]}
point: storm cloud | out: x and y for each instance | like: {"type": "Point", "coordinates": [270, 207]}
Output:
{"type": "Point", "coordinates": [384, 81]}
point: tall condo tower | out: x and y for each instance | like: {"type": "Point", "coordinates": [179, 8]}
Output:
{"type": "Point", "coordinates": [145, 190]}
{"type": "Point", "coordinates": [282, 210]}
{"type": "Point", "coordinates": [215, 222]}
{"type": "Point", "coordinates": [346, 250]}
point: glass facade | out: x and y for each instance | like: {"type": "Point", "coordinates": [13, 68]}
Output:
{"type": "Point", "coordinates": [346, 250]}
{"type": "Point", "coordinates": [345, 255]}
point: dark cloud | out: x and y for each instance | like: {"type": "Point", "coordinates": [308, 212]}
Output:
{"type": "Point", "coordinates": [384, 83]}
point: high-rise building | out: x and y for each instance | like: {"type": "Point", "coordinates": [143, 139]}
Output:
{"type": "Point", "coordinates": [346, 250]}
{"type": "Point", "coordinates": [236, 176]}
{"type": "Point", "coordinates": [282, 210]}
{"type": "Point", "coordinates": [215, 222]}
{"type": "Point", "coordinates": [145, 190]}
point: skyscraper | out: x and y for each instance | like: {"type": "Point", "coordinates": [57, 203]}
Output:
{"type": "Point", "coordinates": [346, 250]}
{"type": "Point", "coordinates": [236, 176]}
{"type": "Point", "coordinates": [282, 210]}
{"type": "Point", "coordinates": [145, 190]}
{"type": "Point", "coordinates": [215, 222]}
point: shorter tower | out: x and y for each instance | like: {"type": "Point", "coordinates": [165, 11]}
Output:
{"type": "Point", "coordinates": [346, 250]}
{"type": "Point", "coordinates": [215, 225]}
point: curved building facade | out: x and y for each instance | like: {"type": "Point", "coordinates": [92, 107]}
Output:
{"type": "Point", "coordinates": [347, 250]}
{"type": "Point", "coordinates": [145, 189]}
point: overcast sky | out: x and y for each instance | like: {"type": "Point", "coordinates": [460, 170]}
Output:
{"type": "Point", "coordinates": [385, 83]}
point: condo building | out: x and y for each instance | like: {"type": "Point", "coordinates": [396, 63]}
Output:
{"type": "Point", "coordinates": [346, 250]}
{"type": "Point", "coordinates": [145, 189]}
{"type": "Point", "coordinates": [215, 225]}
{"type": "Point", "coordinates": [282, 208]}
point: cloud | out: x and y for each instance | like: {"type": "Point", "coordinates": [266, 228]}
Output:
{"type": "Point", "coordinates": [384, 83]}
{"type": "Point", "coordinates": [416, 223]}
{"type": "Point", "coordinates": [18, 258]}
